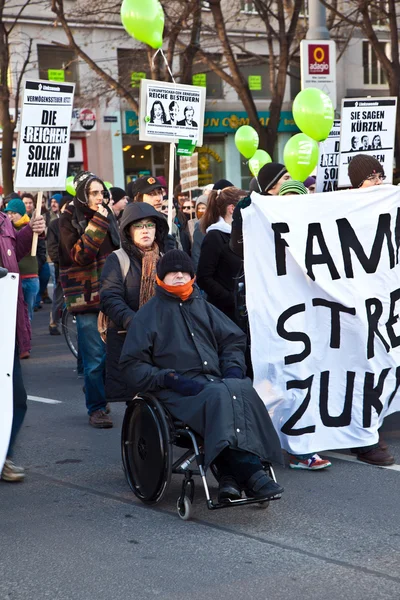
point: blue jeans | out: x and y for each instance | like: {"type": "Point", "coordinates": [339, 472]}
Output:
{"type": "Point", "coordinates": [30, 288]}
{"type": "Point", "coordinates": [19, 402]}
{"type": "Point", "coordinates": [44, 277]}
{"type": "Point", "coordinates": [93, 353]}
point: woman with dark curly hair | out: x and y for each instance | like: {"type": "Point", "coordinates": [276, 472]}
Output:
{"type": "Point", "coordinates": [128, 282]}
{"type": "Point", "coordinates": [157, 114]}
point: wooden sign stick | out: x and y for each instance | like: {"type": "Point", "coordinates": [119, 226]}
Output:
{"type": "Point", "coordinates": [37, 213]}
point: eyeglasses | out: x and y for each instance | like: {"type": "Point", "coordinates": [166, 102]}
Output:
{"type": "Point", "coordinates": [374, 178]}
{"type": "Point", "coordinates": [144, 225]}
{"type": "Point", "coordinates": [189, 208]}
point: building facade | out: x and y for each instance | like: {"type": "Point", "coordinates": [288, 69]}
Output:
{"type": "Point", "coordinates": [104, 129]}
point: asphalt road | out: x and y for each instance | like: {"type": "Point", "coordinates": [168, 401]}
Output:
{"type": "Point", "coordinates": [74, 531]}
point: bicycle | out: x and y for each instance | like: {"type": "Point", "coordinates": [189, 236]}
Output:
{"type": "Point", "coordinates": [68, 324]}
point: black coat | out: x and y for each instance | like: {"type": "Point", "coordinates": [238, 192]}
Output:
{"type": "Point", "coordinates": [196, 340]}
{"type": "Point", "coordinates": [119, 298]}
{"type": "Point", "coordinates": [217, 271]}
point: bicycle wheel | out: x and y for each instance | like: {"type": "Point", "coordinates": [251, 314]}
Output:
{"type": "Point", "coordinates": [68, 323]}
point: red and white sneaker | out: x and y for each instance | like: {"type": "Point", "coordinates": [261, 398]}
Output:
{"type": "Point", "coordinates": [314, 463]}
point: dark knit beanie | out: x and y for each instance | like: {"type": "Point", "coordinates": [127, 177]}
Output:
{"type": "Point", "coordinates": [82, 182]}
{"type": "Point", "coordinates": [363, 166]}
{"type": "Point", "coordinates": [269, 176]}
{"type": "Point", "coordinates": [174, 261]}
{"type": "Point", "coordinates": [255, 186]}
{"type": "Point", "coordinates": [117, 194]}
{"type": "Point", "coordinates": [222, 184]}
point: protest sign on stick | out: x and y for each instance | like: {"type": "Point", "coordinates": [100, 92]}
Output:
{"type": "Point", "coordinates": [323, 296]}
{"type": "Point", "coordinates": [189, 171]}
{"type": "Point", "coordinates": [368, 127]}
{"type": "Point", "coordinates": [328, 169]}
{"type": "Point", "coordinates": [43, 141]}
{"type": "Point", "coordinates": [171, 113]}
{"type": "Point", "coordinates": [8, 312]}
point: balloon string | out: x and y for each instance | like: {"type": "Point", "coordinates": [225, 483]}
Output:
{"type": "Point", "coordinates": [166, 62]}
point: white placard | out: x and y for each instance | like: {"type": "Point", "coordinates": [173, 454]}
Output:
{"type": "Point", "coordinates": [43, 141]}
{"type": "Point", "coordinates": [170, 112]}
{"type": "Point", "coordinates": [318, 66]}
{"type": "Point", "coordinates": [328, 163]}
{"type": "Point", "coordinates": [323, 297]}
{"type": "Point", "coordinates": [8, 312]}
{"type": "Point", "coordinates": [368, 127]}
{"type": "Point", "coordinates": [189, 172]}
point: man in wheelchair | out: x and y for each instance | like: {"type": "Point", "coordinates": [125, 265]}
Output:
{"type": "Point", "coordinates": [191, 356]}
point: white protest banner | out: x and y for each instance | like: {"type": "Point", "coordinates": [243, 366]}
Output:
{"type": "Point", "coordinates": [170, 112]}
{"type": "Point", "coordinates": [189, 171]}
{"type": "Point", "coordinates": [323, 296]}
{"type": "Point", "coordinates": [43, 141]}
{"type": "Point", "coordinates": [327, 171]}
{"type": "Point", "coordinates": [8, 312]}
{"type": "Point", "coordinates": [368, 127]}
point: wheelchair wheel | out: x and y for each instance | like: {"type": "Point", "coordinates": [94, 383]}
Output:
{"type": "Point", "coordinates": [146, 449]}
{"type": "Point", "coordinates": [184, 508]}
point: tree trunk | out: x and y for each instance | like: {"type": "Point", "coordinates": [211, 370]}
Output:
{"type": "Point", "coordinates": [5, 123]}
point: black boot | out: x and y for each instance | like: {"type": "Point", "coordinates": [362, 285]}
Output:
{"type": "Point", "coordinates": [261, 487]}
{"type": "Point", "coordinates": [228, 489]}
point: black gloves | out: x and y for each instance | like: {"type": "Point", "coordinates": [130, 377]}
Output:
{"type": "Point", "coordinates": [182, 385]}
{"type": "Point", "coordinates": [234, 373]}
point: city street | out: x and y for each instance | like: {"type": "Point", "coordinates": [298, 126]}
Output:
{"type": "Point", "coordinates": [74, 530]}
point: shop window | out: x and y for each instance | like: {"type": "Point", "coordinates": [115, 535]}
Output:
{"type": "Point", "coordinates": [257, 78]}
{"type": "Point", "coordinates": [211, 160]}
{"type": "Point", "coordinates": [373, 71]}
{"type": "Point", "coordinates": [204, 77]}
{"type": "Point", "coordinates": [295, 81]}
{"type": "Point", "coordinates": [133, 65]}
{"type": "Point", "coordinates": [58, 64]}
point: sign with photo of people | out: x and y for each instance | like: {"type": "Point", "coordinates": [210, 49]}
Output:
{"type": "Point", "coordinates": [368, 127]}
{"type": "Point", "coordinates": [171, 112]}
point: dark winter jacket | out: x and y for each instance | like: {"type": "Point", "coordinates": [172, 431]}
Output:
{"type": "Point", "coordinates": [85, 243]}
{"type": "Point", "coordinates": [53, 241]}
{"type": "Point", "coordinates": [195, 339]}
{"type": "Point", "coordinates": [217, 271]}
{"type": "Point", "coordinates": [14, 245]}
{"type": "Point", "coordinates": [198, 237]}
{"type": "Point", "coordinates": [119, 298]}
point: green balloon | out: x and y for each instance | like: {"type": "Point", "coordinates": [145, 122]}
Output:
{"type": "Point", "coordinates": [313, 113]}
{"type": "Point", "coordinates": [144, 20]}
{"type": "Point", "coordinates": [108, 185]}
{"type": "Point", "coordinates": [258, 160]}
{"type": "Point", "coordinates": [69, 186]}
{"type": "Point", "coordinates": [300, 156]}
{"type": "Point", "coordinates": [246, 140]}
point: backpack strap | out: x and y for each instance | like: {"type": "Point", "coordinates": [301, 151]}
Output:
{"type": "Point", "coordinates": [124, 262]}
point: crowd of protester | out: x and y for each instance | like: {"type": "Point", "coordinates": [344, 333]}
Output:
{"type": "Point", "coordinates": [103, 249]}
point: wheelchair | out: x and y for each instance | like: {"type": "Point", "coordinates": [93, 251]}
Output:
{"type": "Point", "coordinates": [148, 436]}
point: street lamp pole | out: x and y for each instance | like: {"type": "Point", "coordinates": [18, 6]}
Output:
{"type": "Point", "coordinates": [317, 29]}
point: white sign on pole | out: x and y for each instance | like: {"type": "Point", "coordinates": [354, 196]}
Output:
{"type": "Point", "coordinates": [189, 171]}
{"type": "Point", "coordinates": [8, 312]}
{"type": "Point", "coordinates": [170, 112]}
{"type": "Point", "coordinates": [323, 297]}
{"type": "Point", "coordinates": [328, 163]}
{"type": "Point", "coordinates": [43, 141]}
{"type": "Point", "coordinates": [368, 127]}
{"type": "Point", "coordinates": [318, 66]}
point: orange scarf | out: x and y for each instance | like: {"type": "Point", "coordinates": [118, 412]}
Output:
{"type": "Point", "coordinates": [182, 291]}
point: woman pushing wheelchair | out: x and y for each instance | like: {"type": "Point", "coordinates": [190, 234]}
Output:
{"type": "Point", "coordinates": [191, 356]}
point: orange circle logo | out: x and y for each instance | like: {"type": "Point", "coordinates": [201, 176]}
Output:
{"type": "Point", "coordinates": [319, 55]}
